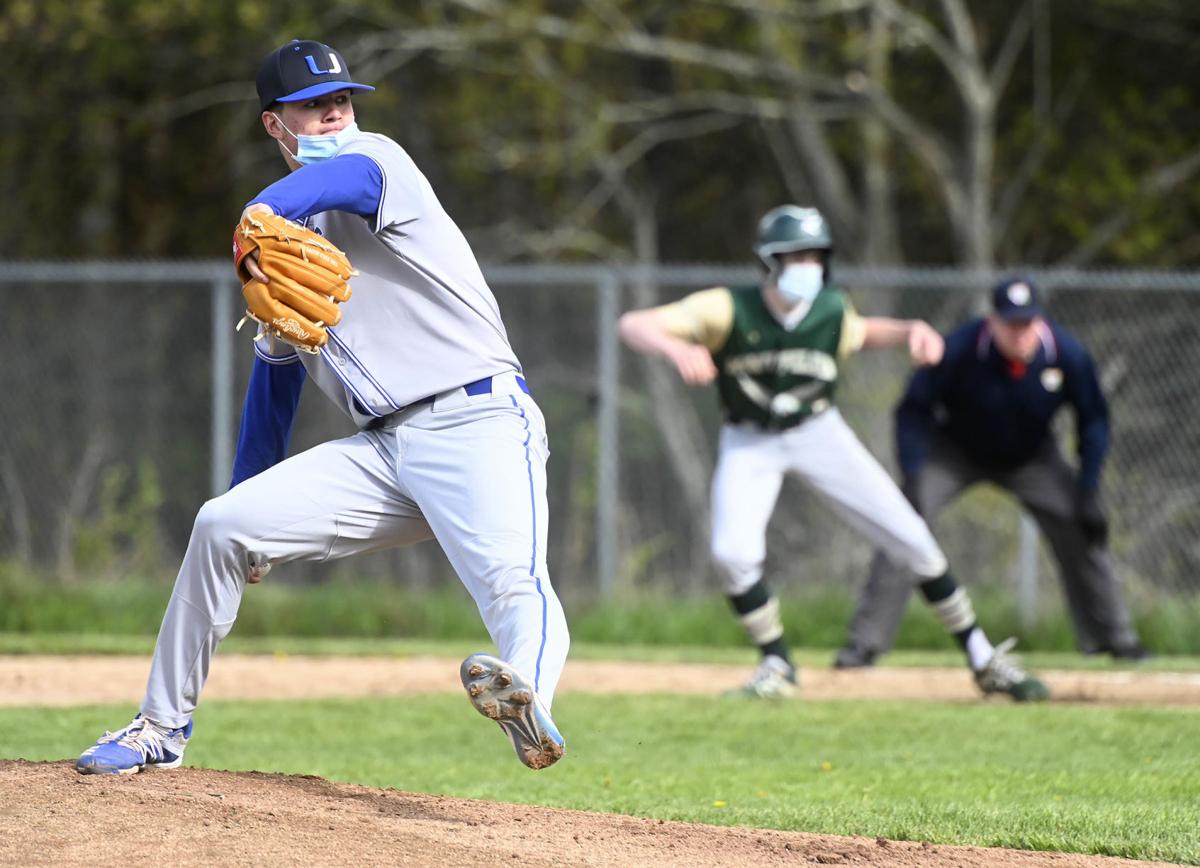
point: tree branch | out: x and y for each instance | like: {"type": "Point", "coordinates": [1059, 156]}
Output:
{"type": "Point", "coordinates": [1161, 180]}
{"type": "Point", "coordinates": [1031, 163]}
{"type": "Point", "coordinates": [926, 147]}
{"type": "Point", "coordinates": [1014, 43]}
{"type": "Point", "coordinates": [821, 164]}
{"type": "Point", "coordinates": [742, 66]}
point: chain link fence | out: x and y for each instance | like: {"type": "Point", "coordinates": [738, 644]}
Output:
{"type": "Point", "coordinates": [1138, 327]}
{"type": "Point", "coordinates": [120, 401]}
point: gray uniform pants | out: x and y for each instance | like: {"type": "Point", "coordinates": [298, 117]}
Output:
{"type": "Point", "coordinates": [469, 471]}
{"type": "Point", "coordinates": [827, 455]}
{"type": "Point", "coordinates": [1045, 486]}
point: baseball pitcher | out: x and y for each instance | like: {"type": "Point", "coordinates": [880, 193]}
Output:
{"type": "Point", "coordinates": [362, 283]}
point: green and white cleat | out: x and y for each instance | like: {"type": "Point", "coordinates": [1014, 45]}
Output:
{"type": "Point", "coordinates": [774, 678]}
{"type": "Point", "coordinates": [1003, 674]}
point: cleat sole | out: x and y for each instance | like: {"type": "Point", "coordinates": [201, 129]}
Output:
{"type": "Point", "coordinates": [500, 693]}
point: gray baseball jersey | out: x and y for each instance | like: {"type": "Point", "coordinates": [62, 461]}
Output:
{"type": "Point", "coordinates": [421, 319]}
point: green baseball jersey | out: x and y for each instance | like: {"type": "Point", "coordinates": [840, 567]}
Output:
{"type": "Point", "coordinates": [776, 376]}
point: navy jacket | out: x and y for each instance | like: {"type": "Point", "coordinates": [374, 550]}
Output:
{"type": "Point", "coordinates": [999, 413]}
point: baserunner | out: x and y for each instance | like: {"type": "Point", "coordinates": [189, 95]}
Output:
{"type": "Point", "coordinates": [775, 351]}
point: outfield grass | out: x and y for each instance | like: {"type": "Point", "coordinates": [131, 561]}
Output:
{"type": "Point", "coordinates": [814, 616]}
{"type": "Point", "coordinates": [1084, 779]}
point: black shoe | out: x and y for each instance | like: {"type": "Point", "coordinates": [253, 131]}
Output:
{"type": "Point", "coordinates": [1135, 653]}
{"type": "Point", "coordinates": [851, 657]}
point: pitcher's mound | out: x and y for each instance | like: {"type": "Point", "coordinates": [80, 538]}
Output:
{"type": "Point", "coordinates": [49, 815]}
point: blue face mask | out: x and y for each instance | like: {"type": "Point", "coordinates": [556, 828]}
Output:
{"type": "Point", "coordinates": [315, 149]}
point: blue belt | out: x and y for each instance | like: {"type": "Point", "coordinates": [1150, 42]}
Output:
{"type": "Point", "coordinates": [484, 387]}
{"type": "Point", "coordinates": [479, 387]}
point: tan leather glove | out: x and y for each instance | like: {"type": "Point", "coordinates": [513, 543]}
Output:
{"type": "Point", "coordinates": [308, 279]}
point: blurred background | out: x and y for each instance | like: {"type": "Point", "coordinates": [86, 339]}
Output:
{"type": "Point", "coordinates": [600, 155]}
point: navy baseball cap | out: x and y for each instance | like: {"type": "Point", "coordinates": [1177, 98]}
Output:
{"type": "Point", "coordinates": [1016, 298]}
{"type": "Point", "coordinates": [301, 70]}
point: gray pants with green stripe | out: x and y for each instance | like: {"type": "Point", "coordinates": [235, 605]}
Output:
{"type": "Point", "coordinates": [1045, 486]}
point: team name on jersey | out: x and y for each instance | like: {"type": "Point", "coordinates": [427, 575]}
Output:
{"type": "Point", "coordinates": [798, 362]}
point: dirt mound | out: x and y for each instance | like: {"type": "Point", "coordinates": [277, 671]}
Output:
{"type": "Point", "coordinates": [49, 815]}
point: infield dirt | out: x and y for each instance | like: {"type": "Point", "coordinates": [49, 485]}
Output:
{"type": "Point", "coordinates": [80, 680]}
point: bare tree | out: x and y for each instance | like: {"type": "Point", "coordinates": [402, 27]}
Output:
{"type": "Point", "coordinates": [822, 80]}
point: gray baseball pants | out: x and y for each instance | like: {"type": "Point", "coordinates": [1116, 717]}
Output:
{"type": "Point", "coordinates": [469, 471]}
{"type": "Point", "coordinates": [829, 457]}
{"type": "Point", "coordinates": [1045, 486]}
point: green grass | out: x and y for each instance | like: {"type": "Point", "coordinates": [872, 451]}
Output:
{"type": "Point", "coordinates": [1093, 780]}
{"type": "Point", "coordinates": [813, 616]}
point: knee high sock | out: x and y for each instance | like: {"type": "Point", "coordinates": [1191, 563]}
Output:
{"type": "Point", "coordinates": [759, 613]}
{"type": "Point", "coordinates": [953, 608]}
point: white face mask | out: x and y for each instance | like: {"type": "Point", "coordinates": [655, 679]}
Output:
{"type": "Point", "coordinates": [801, 281]}
{"type": "Point", "coordinates": [315, 149]}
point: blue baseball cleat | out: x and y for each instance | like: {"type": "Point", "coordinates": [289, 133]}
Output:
{"type": "Point", "coordinates": [143, 744]}
{"type": "Point", "coordinates": [500, 692]}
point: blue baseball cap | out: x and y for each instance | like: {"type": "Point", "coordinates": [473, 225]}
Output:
{"type": "Point", "coordinates": [301, 70]}
{"type": "Point", "coordinates": [1016, 298]}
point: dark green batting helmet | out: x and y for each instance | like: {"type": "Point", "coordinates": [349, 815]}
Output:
{"type": "Point", "coordinates": [789, 228]}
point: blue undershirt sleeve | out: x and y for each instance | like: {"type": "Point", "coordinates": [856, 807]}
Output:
{"type": "Point", "coordinates": [351, 182]}
{"type": "Point", "coordinates": [267, 416]}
